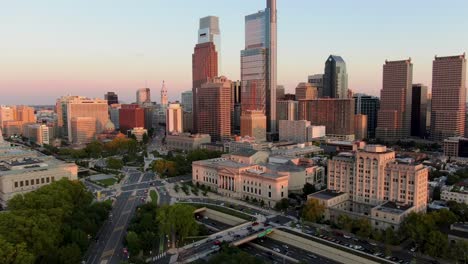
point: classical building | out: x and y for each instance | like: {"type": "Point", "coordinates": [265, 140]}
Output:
{"type": "Point", "coordinates": [187, 141]}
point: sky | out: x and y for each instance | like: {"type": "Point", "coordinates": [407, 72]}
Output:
{"type": "Point", "coordinates": [51, 48]}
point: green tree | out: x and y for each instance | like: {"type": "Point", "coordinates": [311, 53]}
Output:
{"type": "Point", "coordinates": [436, 244]}
{"type": "Point", "coordinates": [313, 210]}
{"type": "Point", "coordinates": [14, 253]}
{"type": "Point", "coordinates": [233, 255]}
{"type": "Point", "coordinates": [364, 228]}
{"type": "Point", "coordinates": [70, 253]}
{"type": "Point", "coordinates": [115, 164]}
{"type": "Point", "coordinates": [283, 204]}
{"type": "Point", "coordinates": [345, 222]}
{"type": "Point", "coordinates": [133, 243]}
{"type": "Point", "coordinates": [390, 236]}
{"type": "Point", "coordinates": [177, 221]}
{"type": "Point", "coordinates": [308, 189]}
{"type": "Point", "coordinates": [145, 139]}
{"type": "Point", "coordinates": [94, 149]}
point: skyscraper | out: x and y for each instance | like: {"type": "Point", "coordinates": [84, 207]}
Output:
{"type": "Point", "coordinates": [253, 124]}
{"type": "Point", "coordinates": [174, 119]}
{"type": "Point", "coordinates": [317, 81]}
{"type": "Point", "coordinates": [369, 106]}
{"type": "Point", "coordinates": [187, 101]}
{"type": "Point", "coordinates": [394, 118]}
{"type": "Point", "coordinates": [305, 91]}
{"type": "Point", "coordinates": [131, 116]}
{"type": "Point", "coordinates": [286, 110]}
{"type": "Point", "coordinates": [418, 110]}
{"type": "Point", "coordinates": [143, 96]}
{"type": "Point", "coordinates": [335, 79]}
{"type": "Point", "coordinates": [258, 64]}
{"type": "Point", "coordinates": [448, 97]}
{"type": "Point", "coordinates": [164, 100]}
{"type": "Point", "coordinates": [235, 107]}
{"type": "Point", "coordinates": [112, 98]}
{"type": "Point", "coordinates": [280, 91]}
{"type": "Point", "coordinates": [205, 58]}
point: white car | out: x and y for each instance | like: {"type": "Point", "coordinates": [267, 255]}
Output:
{"type": "Point", "coordinates": [277, 250]}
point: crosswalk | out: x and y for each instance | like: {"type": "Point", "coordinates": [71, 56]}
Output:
{"type": "Point", "coordinates": [157, 257]}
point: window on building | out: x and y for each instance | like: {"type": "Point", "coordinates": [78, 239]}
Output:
{"type": "Point", "coordinates": [16, 184]}
{"type": "Point", "coordinates": [21, 183]}
{"type": "Point", "coordinates": [37, 181]}
{"type": "Point", "coordinates": [27, 182]}
{"type": "Point", "coordinates": [269, 194]}
{"type": "Point", "coordinates": [42, 180]}
{"type": "Point", "coordinates": [282, 195]}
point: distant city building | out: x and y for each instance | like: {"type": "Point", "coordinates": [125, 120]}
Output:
{"type": "Point", "coordinates": [456, 194]}
{"type": "Point", "coordinates": [38, 134]}
{"type": "Point", "coordinates": [258, 64]}
{"type": "Point", "coordinates": [299, 131]}
{"type": "Point", "coordinates": [25, 114]}
{"type": "Point", "coordinates": [335, 79]}
{"type": "Point", "coordinates": [13, 128]}
{"type": "Point", "coordinates": [305, 91]}
{"type": "Point", "coordinates": [286, 110]}
{"type": "Point", "coordinates": [174, 119]}
{"type": "Point", "coordinates": [187, 101]}
{"type": "Point", "coordinates": [214, 108]}
{"type": "Point", "coordinates": [418, 110]}
{"type": "Point", "coordinates": [317, 81]}
{"type": "Point", "coordinates": [139, 132]}
{"type": "Point", "coordinates": [236, 107]}
{"type": "Point", "coordinates": [131, 116]}
{"type": "Point", "coordinates": [205, 58]}
{"type": "Point", "coordinates": [337, 115]}
{"type": "Point", "coordinates": [164, 100]}
{"type": "Point", "coordinates": [455, 147]}
{"type": "Point", "coordinates": [360, 126]}
{"type": "Point", "coordinates": [187, 142]}
{"type": "Point", "coordinates": [114, 115]}
{"type": "Point", "coordinates": [369, 106]}
{"type": "Point", "coordinates": [280, 92]}
{"type": "Point", "coordinates": [6, 114]}
{"type": "Point", "coordinates": [83, 130]}
{"type": "Point", "coordinates": [112, 98]}
{"type": "Point", "coordinates": [187, 121]}
{"type": "Point", "coordinates": [288, 97]}
{"type": "Point", "coordinates": [394, 118]}
{"type": "Point", "coordinates": [448, 107]}
{"type": "Point", "coordinates": [143, 96]}
{"type": "Point", "coordinates": [254, 124]}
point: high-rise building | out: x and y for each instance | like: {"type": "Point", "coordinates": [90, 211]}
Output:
{"type": "Point", "coordinates": [187, 101]}
{"type": "Point", "coordinates": [360, 126]}
{"type": "Point", "coordinates": [114, 115]}
{"type": "Point", "coordinates": [317, 81]}
{"type": "Point", "coordinates": [131, 116]}
{"type": "Point", "coordinates": [305, 91]}
{"type": "Point", "coordinates": [394, 118]}
{"type": "Point", "coordinates": [369, 106]}
{"type": "Point", "coordinates": [164, 100]}
{"type": "Point", "coordinates": [214, 108]}
{"type": "Point", "coordinates": [83, 129]}
{"type": "Point", "coordinates": [149, 113]}
{"type": "Point", "coordinates": [335, 79]}
{"type": "Point", "coordinates": [286, 110]}
{"type": "Point", "coordinates": [174, 119]}
{"type": "Point", "coordinates": [112, 98]}
{"type": "Point", "coordinates": [418, 110]}
{"type": "Point", "coordinates": [337, 115]}
{"type": "Point", "coordinates": [205, 58]}
{"type": "Point", "coordinates": [187, 121]}
{"type": "Point", "coordinates": [448, 111]}
{"type": "Point", "coordinates": [235, 107]}
{"type": "Point", "coordinates": [38, 134]}
{"type": "Point", "coordinates": [280, 91]}
{"type": "Point", "coordinates": [258, 64]}
{"type": "Point", "coordinates": [25, 114]}
{"type": "Point", "coordinates": [254, 124]}
{"type": "Point", "coordinates": [299, 131]}
{"type": "Point", "coordinates": [143, 96]}
{"type": "Point", "coordinates": [6, 114]}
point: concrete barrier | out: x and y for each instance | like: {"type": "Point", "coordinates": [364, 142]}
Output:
{"type": "Point", "coordinates": [222, 217]}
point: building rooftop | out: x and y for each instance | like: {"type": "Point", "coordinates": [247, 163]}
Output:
{"type": "Point", "coordinates": [245, 152]}
{"type": "Point", "coordinates": [326, 194]}
{"type": "Point", "coordinates": [392, 207]}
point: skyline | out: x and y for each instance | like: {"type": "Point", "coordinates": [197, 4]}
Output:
{"type": "Point", "coordinates": [81, 51]}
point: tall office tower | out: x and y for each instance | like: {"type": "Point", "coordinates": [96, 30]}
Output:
{"type": "Point", "coordinates": [131, 116]}
{"type": "Point", "coordinates": [205, 58]}
{"type": "Point", "coordinates": [305, 91]}
{"type": "Point", "coordinates": [164, 100]}
{"type": "Point", "coordinates": [114, 115]}
{"type": "Point", "coordinates": [187, 101]}
{"type": "Point", "coordinates": [428, 113]}
{"type": "Point", "coordinates": [360, 126]}
{"type": "Point", "coordinates": [286, 110]}
{"type": "Point", "coordinates": [254, 124]}
{"type": "Point", "coordinates": [37, 134]}
{"type": "Point", "coordinates": [143, 96]}
{"type": "Point", "coordinates": [214, 108]}
{"type": "Point", "coordinates": [187, 123]}
{"type": "Point", "coordinates": [337, 115]}
{"type": "Point", "coordinates": [174, 119]}
{"type": "Point", "coordinates": [280, 91]}
{"type": "Point", "coordinates": [448, 97]}
{"type": "Point", "coordinates": [6, 114]}
{"type": "Point", "coordinates": [418, 110]}
{"type": "Point", "coordinates": [369, 106]}
{"type": "Point", "coordinates": [317, 81]}
{"type": "Point", "coordinates": [394, 118]}
{"type": "Point", "coordinates": [149, 113]}
{"type": "Point", "coordinates": [235, 107]}
{"type": "Point", "coordinates": [258, 64]}
{"type": "Point", "coordinates": [335, 79]}
{"type": "Point", "coordinates": [25, 114]}
{"type": "Point", "coordinates": [83, 130]}
{"type": "Point", "coordinates": [112, 98]}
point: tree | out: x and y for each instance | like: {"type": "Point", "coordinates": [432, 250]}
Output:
{"type": "Point", "coordinates": [308, 189]}
{"type": "Point", "coordinates": [145, 138]}
{"type": "Point", "coordinates": [115, 164]}
{"type": "Point", "coordinates": [233, 255]}
{"type": "Point", "coordinates": [94, 149]}
{"type": "Point", "coordinates": [364, 228]}
{"type": "Point", "coordinates": [313, 210]}
{"type": "Point", "coordinates": [70, 253]}
{"type": "Point", "coordinates": [390, 237]}
{"type": "Point", "coordinates": [133, 243]}
{"type": "Point", "coordinates": [178, 221]}
{"type": "Point", "coordinates": [345, 222]}
{"type": "Point", "coordinates": [14, 253]}
{"type": "Point", "coordinates": [436, 244]}
{"type": "Point", "coordinates": [283, 204]}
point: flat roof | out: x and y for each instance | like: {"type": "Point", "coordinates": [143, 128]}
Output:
{"type": "Point", "coordinates": [326, 194]}
{"type": "Point", "coordinates": [392, 207]}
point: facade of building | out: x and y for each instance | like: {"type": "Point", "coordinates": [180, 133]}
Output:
{"type": "Point", "coordinates": [286, 110]}
{"type": "Point", "coordinates": [394, 118]}
{"type": "Point", "coordinates": [305, 91]}
{"type": "Point", "coordinates": [258, 64]}
{"type": "Point", "coordinates": [83, 130]}
{"type": "Point", "coordinates": [112, 98]}
{"type": "Point", "coordinates": [235, 106]}
{"type": "Point", "coordinates": [143, 96]}
{"type": "Point", "coordinates": [6, 114]}
{"type": "Point", "coordinates": [335, 79]}
{"type": "Point", "coordinates": [187, 101]}
{"type": "Point", "coordinates": [460, 196]}
{"type": "Point", "coordinates": [187, 141]}
{"type": "Point", "coordinates": [114, 111]}
{"type": "Point", "coordinates": [360, 126]}
{"type": "Point", "coordinates": [280, 92]}
{"type": "Point", "coordinates": [448, 109]}
{"type": "Point", "coordinates": [131, 116]}
{"type": "Point", "coordinates": [369, 106]}
{"type": "Point", "coordinates": [187, 123]}
{"type": "Point", "coordinates": [299, 131]}
{"type": "Point", "coordinates": [164, 99]}
{"type": "Point", "coordinates": [38, 134]}
{"type": "Point", "coordinates": [174, 119]}
{"type": "Point", "coordinates": [214, 108]}
{"type": "Point", "coordinates": [337, 115]}
{"type": "Point", "coordinates": [456, 147]}
{"type": "Point", "coordinates": [418, 110]}
{"type": "Point", "coordinates": [254, 124]}
{"type": "Point", "coordinates": [205, 59]}
{"type": "Point", "coordinates": [317, 81]}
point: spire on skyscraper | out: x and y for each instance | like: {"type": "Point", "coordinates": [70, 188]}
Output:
{"type": "Point", "coordinates": [164, 100]}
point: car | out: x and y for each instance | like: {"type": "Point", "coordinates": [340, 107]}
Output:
{"type": "Point", "coordinates": [217, 243]}
{"type": "Point", "coordinates": [206, 217]}
{"type": "Point", "coordinates": [261, 241]}
{"type": "Point", "coordinates": [286, 246]}
{"type": "Point", "coordinates": [388, 257]}
{"type": "Point", "coordinates": [312, 256]}
{"type": "Point", "coordinates": [373, 244]}
{"type": "Point", "coordinates": [215, 247]}
{"type": "Point", "coordinates": [346, 236]}
{"type": "Point", "coordinates": [277, 250]}
{"type": "Point", "coordinates": [413, 249]}
{"type": "Point", "coordinates": [254, 223]}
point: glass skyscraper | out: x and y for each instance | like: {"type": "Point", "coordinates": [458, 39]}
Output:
{"type": "Point", "coordinates": [258, 64]}
{"type": "Point", "coordinates": [335, 79]}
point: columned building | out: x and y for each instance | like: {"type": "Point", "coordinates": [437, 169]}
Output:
{"type": "Point", "coordinates": [174, 119]}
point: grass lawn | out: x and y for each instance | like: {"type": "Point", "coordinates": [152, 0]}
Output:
{"type": "Point", "coordinates": [107, 182]}
{"type": "Point", "coordinates": [154, 197]}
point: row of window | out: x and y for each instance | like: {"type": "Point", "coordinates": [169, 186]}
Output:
{"type": "Point", "coordinates": [33, 182]}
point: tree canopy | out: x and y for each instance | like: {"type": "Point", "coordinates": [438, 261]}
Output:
{"type": "Point", "coordinates": [178, 221]}
{"type": "Point", "coordinates": [313, 210]}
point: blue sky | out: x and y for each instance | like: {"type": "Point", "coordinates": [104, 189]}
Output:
{"type": "Point", "coordinates": [85, 47]}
